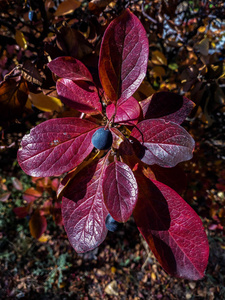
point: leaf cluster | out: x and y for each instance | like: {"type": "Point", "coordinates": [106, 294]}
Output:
{"type": "Point", "coordinates": [127, 178]}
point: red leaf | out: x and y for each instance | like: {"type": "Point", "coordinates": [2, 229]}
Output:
{"type": "Point", "coordinates": [162, 143]}
{"type": "Point", "coordinates": [56, 146]}
{"type": "Point", "coordinates": [21, 211]}
{"type": "Point", "coordinates": [172, 229]}
{"type": "Point", "coordinates": [168, 106]}
{"type": "Point", "coordinates": [31, 195]}
{"type": "Point", "coordinates": [127, 113]}
{"type": "Point", "coordinates": [83, 208]}
{"type": "Point", "coordinates": [81, 95]}
{"type": "Point", "coordinates": [70, 68]}
{"type": "Point", "coordinates": [120, 191]}
{"type": "Point", "coordinates": [37, 224]}
{"type": "Point", "coordinates": [123, 57]}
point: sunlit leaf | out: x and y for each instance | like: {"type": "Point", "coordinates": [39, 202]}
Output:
{"type": "Point", "coordinates": [172, 229]}
{"type": "Point", "coordinates": [120, 191]}
{"type": "Point", "coordinates": [144, 91]}
{"type": "Point", "coordinates": [83, 208]}
{"type": "Point", "coordinates": [80, 95]}
{"type": "Point", "coordinates": [123, 57]}
{"type": "Point", "coordinates": [158, 58]}
{"type": "Point", "coordinates": [162, 143]}
{"type": "Point", "coordinates": [70, 68]}
{"type": "Point", "coordinates": [20, 39]}
{"type": "Point", "coordinates": [44, 102]}
{"type": "Point", "coordinates": [30, 73]}
{"type": "Point", "coordinates": [56, 146]}
{"type": "Point", "coordinates": [126, 113]}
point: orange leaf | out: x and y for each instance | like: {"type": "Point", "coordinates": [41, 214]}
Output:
{"type": "Point", "coordinates": [37, 224]}
{"type": "Point", "coordinates": [31, 195]}
{"type": "Point", "coordinates": [67, 7]}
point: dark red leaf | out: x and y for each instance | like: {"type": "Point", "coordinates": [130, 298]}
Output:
{"type": "Point", "coordinates": [172, 229]}
{"type": "Point", "coordinates": [82, 96]}
{"type": "Point", "coordinates": [173, 177]}
{"type": "Point", "coordinates": [123, 57]}
{"type": "Point", "coordinates": [83, 208]}
{"type": "Point", "coordinates": [56, 146]}
{"type": "Point", "coordinates": [57, 215]}
{"type": "Point", "coordinates": [162, 143]}
{"type": "Point", "coordinates": [70, 68]}
{"type": "Point", "coordinates": [120, 191]}
{"type": "Point", "coordinates": [37, 224]}
{"type": "Point", "coordinates": [168, 106]}
{"type": "Point", "coordinates": [127, 113]}
{"type": "Point", "coordinates": [21, 211]}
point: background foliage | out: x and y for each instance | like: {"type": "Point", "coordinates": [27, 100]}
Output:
{"type": "Point", "coordinates": [186, 56]}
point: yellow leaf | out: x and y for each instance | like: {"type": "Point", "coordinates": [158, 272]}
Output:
{"type": "Point", "coordinates": [202, 29]}
{"type": "Point", "coordinates": [67, 7]}
{"type": "Point", "coordinates": [45, 103]}
{"type": "Point", "coordinates": [20, 39]}
{"type": "Point", "coordinates": [28, 104]}
{"type": "Point", "coordinates": [44, 238]}
{"type": "Point", "coordinates": [153, 276]}
{"type": "Point", "coordinates": [145, 90]}
{"type": "Point", "coordinates": [158, 71]}
{"type": "Point", "coordinates": [158, 58]}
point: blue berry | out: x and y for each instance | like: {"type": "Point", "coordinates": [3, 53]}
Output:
{"type": "Point", "coordinates": [111, 224]}
{"type": "Point", "coordinates": [102, 139]}
{"type": "Point", "coordinates": [32, 15]}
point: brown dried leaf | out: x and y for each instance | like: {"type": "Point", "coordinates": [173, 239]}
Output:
{"type": "Point", "coordinates": [67, 7]}
{"type": "Point", "coordinates": [13, 97]}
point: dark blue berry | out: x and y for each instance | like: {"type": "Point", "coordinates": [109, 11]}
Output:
{"type": "Point", "coordinates": [111, 224]}
{"type": "Point", "coordinates": [32, 15]}
{"type": "Point", "coordinates": [102, 139]}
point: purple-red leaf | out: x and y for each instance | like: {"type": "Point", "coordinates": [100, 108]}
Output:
{"type": "Point", "coordinates": [168, 106]}
{"type": "Point", "coordinates": [83, 208]}
{"type": "Point", "coordinates": [123, 57]}
{"type": "Point", "coordinates": [127, 113]}
{"type": "Point", "coordinates": [120, 191]}
{"type": "Point", "coordinates": [172, 229]}
{"type": "Point", "coordinates": [162, 143]}
{"type": "Point", "coordinates": [82, 96]}
{"type": "Point", "coordinates": [56, 146]}
{"type": "Point", "coordinates": [70, 68]}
